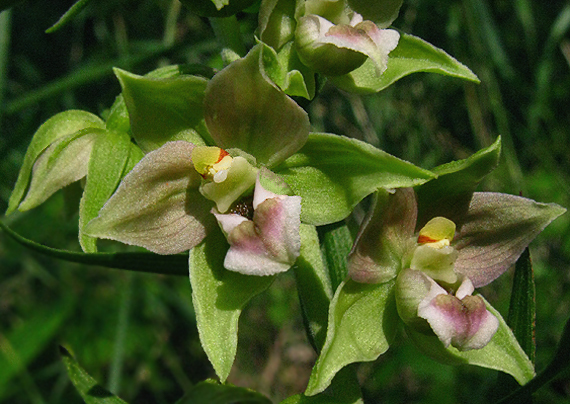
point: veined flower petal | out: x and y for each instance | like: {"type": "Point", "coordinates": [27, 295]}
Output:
{"type": "Point", "coordinates": [268, 244]}
{"type": "Point", "coordinates": [157, 205]}
{"type": "Point", "coordinates": [464, 323]}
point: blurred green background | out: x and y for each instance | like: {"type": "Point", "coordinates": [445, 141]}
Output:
{"type": "Point", "coordinates": [136, 333]}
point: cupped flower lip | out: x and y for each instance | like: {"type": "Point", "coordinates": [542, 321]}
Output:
{"type": "Point", "coordinates": [335, 50]}
{"type": "Point", "coordinates": [269, 243]}
{"type": "Point", "coordinates": [459, 319]}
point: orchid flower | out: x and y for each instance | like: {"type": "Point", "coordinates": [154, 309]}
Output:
{"type": "Point", "coordinates": [172, 198]}
{"type": "Point", "coordinates": [436, 270]}
{"type": "Point", "coordinates": [337, 49]}
{"type": "Point", "coordinates": [417, 259]}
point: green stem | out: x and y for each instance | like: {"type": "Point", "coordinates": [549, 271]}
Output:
{"type": "Point", "coordinates": [229, 36]}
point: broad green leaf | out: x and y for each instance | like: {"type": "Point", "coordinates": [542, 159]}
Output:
{"type": "Point", "coordinates": [62, 163]}
{"type": "Point", "coordinates": [410, 56]}
{"type": "Point", "coordinates": [334, 173]}
{"type": "Point", "coordinates": [244, 109]}
{"type": "Point", "coordinates": [131, 261]}
{"type": "Point", "coordinates": [109, 157]}
{"type": "Point", "coordinates": [60, 125]}
{"type": "Point", "coordinates": [450, 193]}
{"type": "Point", "coordinates": [502, 353]}
{"type": "Point", "coordinates": [210, 392]}
{"type": "Point", "coordinates": [313, 286]}
{"type": "Point", "coordinates": [219, 296]}
{"type": "Point", "coordinates": [362, 322]}
{"type": "Point", "coordinates": [87, 387]}
{"type": "Point", "coordinates": [164, 109]}
{"type": "Point", "coordinates": [21, 345]}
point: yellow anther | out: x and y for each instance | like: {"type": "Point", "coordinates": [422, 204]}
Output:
{"type": "Point", "coordinates": [211, 162]}
{"type": "Point", "coordinates": [437, 233]}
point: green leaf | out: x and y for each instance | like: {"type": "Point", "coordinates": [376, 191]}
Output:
{"type": "Point", "coordinates": [62, 163]}
{"type": "Point", "coordinates": [336, 242]}
{"type": "Point", "coordinates": [106, 166]}
{"type": "Point", "coordinates": [219, 296]}
{"type": "Point", "coordinates": [522, 308]}
{"type": "Point", "coordinates": [313, 286]}
{"type": "Point", "coordinates": [87, 387]}
{"type": "Point", "coordinates": [560, 364]}
{"type": "Point", "coordinates": [244, 109]}
{"type": "Point", "coordinates": [164, 109]}
{"type": "Point", "coordinates": [24, 343]}
{"type": "Point", "coordinates": [210, 392]}
{"type": "Point", "coordinates": [131, 261]}
{"type": "Point", "coordinates": [68, 16]}
{"type": "Point", "coordinates": [502, 353]}
{"type": "Point", "coordinates": [450, 193]}
{"type": "Point", "coordinates": [57, 126]}
{"type": "Point", "coordinates": [334, 173]}
{"type": "Point", "coordinates": [118, 119]}
{"type": "Point", "coordinates": [412, 55]}
{"type": "Point", "coordinates": [362, 322]}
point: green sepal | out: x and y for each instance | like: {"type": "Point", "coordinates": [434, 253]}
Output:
{"type": "Point", "coordinates": [277, 22]}
{"type": "Point", "coordinates": [87, 387]}
{"type": "Point", "coordinates": [450, 193]}
{"type": "Point", "coordinates": [219, 296]}
{"type": "Point", "coordinates": [362, 323]}
{"type": "Point", "coordinates": [502, 353]}
{"type": "Point", "coordinates": [211, 392]}
{"type": "Point", "coordinates": [118, 118]}
{"type": "Point", "coordinates": [164, 109]}
{"type": "Point", "coordinates": [334, 173]}
{"type": "Point", "coordinates": [287, 71]}
{"type": "Point", "coordinates": [106, 167]}
{"type": "Point", "coordinates": [412, 55]}
{"type": "Point", "coordinates": [131, 261]}
{"type": "Point", "coordinates": [57, 126]}
{"type": "Point", "coordinates": [62, 163]}
{"type": "Point", "coordinates": [313, 286]}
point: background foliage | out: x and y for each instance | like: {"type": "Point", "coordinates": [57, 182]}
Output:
{"type": "Point", "coordinates": [136, 333]}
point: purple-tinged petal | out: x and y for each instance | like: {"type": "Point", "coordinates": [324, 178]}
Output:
{"type": "Point", "coordinates": [463, 323]}
{"type": "Point", "coordinates": [384, 237]}
{"type": "Point", "coordinates": [270, 243]}
{"type": "Point", "coordinates": [157, 205]}
{"type": "Point", "coordinates": [495, 231]}
{"type": "Point", "coordinates": [244, 109]}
